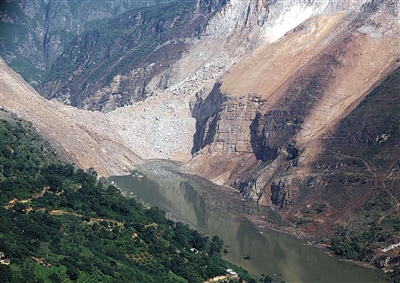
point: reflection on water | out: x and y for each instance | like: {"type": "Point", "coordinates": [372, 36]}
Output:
{"type": "Point", "coordinates": [214, 212]}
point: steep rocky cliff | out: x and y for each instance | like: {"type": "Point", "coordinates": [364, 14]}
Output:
{"type": "Point", "coordinates": [93, 74]}
{"type": "Point", "coordinates": [265, 127]}
{"type": "Point", "coordinates": [34, 33]}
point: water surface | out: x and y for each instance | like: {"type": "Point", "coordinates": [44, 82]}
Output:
{"type": "Point", "coordinates": [198, 203]}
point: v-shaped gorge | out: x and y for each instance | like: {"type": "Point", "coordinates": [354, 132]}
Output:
{"type": "Point", "coordinates": [291, 125]}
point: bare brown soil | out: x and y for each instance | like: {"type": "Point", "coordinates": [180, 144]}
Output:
{"type": "Point", "coordinates": [321, 72]}
{"type": "Point", "coordinates": [67, 128]}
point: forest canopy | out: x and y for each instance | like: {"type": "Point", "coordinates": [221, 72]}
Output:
{"type": "Point", "coordinates": [60, 224]}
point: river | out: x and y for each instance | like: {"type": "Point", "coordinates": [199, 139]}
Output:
{"type": "Point", "coordinates": [222, 212]}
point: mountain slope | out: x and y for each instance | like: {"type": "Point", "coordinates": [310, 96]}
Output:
{"type": "Point", "coordinates": [60, 224]}
{"type": "Point", "coordinates": [364, 151]}
{"type": "Point", "coordinates": [67, 129]}
{"type": "Point", "coordinates": [34, 33]}
{"type": "Point", "coordinates": [263, 126]}
{"type": "Point", "coordinates": [93, 62]}
{"type": "Point", "coordinates": [291, 73]}
{"type": "Point", "coordinates": [93, 74]}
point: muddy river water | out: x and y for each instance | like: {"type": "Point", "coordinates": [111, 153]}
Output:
{"type": "Point", "coordinates": [223, 213]}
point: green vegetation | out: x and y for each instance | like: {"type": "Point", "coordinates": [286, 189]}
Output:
{"type": "Point", "coordinates": [362, 246]}
{"type": "Point", "coordinates": [376, 227]}
{"type": "Point", "coordinates": [59, 224]}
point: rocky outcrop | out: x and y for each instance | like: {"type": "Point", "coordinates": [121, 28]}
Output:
{"type": "Point", "coordinates": [146, 43]}
{"type": "Point", "coordinates": [40, 31]}
{"type": "Point", "coordinates": [280, 103]}
{"type": "Point", "coordinates": [205, 114]}
{"type": "Point", "coordinates": [239, 124]}
{"type": "Point", "coordinates": [224, 122]}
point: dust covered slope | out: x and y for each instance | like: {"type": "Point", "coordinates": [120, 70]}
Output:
{"type": "Point", "coordinates": [85, 138]}
{"type": "Point", "coordinates": [359, 170]}
{"type": "Point", "coordinates": [268, 117]}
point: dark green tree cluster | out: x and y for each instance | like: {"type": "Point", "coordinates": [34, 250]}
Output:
{"type": "Point", "coordinates": [361, 246]}
{"type": "Point", "coordinates": [63, 225]}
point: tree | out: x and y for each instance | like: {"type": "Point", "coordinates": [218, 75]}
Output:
{"type": "Point", "coordinates": [20, 207]}
{"type": "Point", "coordinates": [72, 272]}
{"type": "Point", "coordinates": [267, 279]}
{"type": "Point", "coordinates": [216, 245]}
{"type": "Point", "coordinates": [55, 183]}
{"type": "Point", "coordinates": [5, 273]}
{"type": "Point", "coordinates": [197, 240]}
{"type": "Point", "coordinates": [54, 278]}
{"type": "Point", "coordinates": [157, 215]}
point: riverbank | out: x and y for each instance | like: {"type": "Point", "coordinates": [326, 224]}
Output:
{"type": "Point", "coordinates": [246, 228]}
{"type": "Point", "coordinates": [262, 218]}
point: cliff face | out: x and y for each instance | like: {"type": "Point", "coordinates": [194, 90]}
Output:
{"type": "Point", "coordinates": [35, 33]}
{"type": "Point", "coordinates": [282, 116]}
{"type": "Point", "coordinates": [128, 58]}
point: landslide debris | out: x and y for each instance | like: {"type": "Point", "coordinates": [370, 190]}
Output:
{"type": "Point", "coordinates": [277, 106]}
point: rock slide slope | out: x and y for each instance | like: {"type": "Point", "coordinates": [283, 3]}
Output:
{"type": "Point", "coordinates": [264, 126]}
{"type": "Point", "coordinates": [257, 100]}
{"type": "Point", "coordinates": [85, 138]}
{"type": "Point", "coordinates": [110, 143]}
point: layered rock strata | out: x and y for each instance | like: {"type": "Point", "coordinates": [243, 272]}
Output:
{"type": "Point", "coordinates": [295, 90]}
